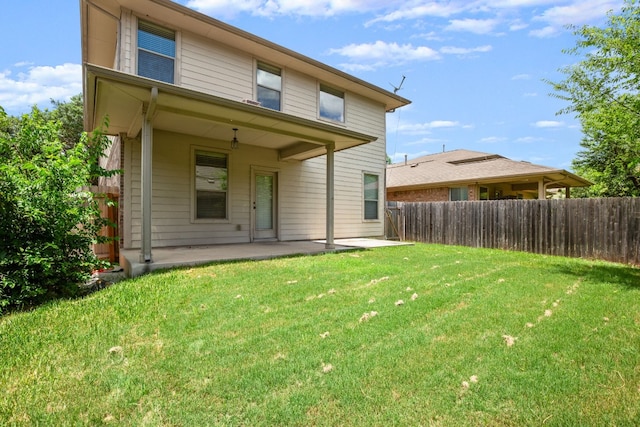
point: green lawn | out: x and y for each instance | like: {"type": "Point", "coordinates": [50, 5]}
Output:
{"type": "Point", "coordinates": [421, 335]}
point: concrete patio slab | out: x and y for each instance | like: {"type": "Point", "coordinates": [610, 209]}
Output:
{"type": "Point", "coordinates": [184, 256]}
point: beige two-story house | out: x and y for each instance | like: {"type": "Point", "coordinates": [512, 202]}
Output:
{"type": "Point", "coordinates": [224, 137]}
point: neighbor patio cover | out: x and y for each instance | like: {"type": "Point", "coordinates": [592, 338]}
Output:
{"type": "Point", "coordinates": [469, 167]}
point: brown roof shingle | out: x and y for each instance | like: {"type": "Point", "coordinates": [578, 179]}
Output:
{"type": "Point", "coordinates": [462, 166]}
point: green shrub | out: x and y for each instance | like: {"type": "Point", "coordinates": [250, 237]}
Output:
{"type": "Point", "coordinates": [48, 220]}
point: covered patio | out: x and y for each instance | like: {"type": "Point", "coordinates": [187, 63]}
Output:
{"type": "Point", "coordinates": [138, 106]}
{"type": "Point", "coordinates": [165, 258]}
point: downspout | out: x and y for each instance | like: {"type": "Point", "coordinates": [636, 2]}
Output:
{"type": "Point", "coordinates": [146, 175]}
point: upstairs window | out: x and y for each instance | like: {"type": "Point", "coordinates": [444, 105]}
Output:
{"type": "Point", "coordinates": [331, 104]}
{"type": "Point", "coordinates": [269, 85]}
{"type": "Point", "coordinates": [370, 196]}
{"type": "Point", "coordinates": [156, 52]}
{"type": "Point", "coordinates": [211, 182]}
{"type": "Point", "coordinates": [458, 193]}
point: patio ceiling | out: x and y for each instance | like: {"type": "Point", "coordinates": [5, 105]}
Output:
{"type": "Point", "coordinates": [122, 98]}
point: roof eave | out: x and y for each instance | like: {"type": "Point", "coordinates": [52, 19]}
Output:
{"type": "Point", "coordinates": [301, 138]}
{"type": "Point", "coordinates": [492, 180]}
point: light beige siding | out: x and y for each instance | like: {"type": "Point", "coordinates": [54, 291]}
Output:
{"type": "Point", "coordinates": [301, 204]}
{"type": "Point", "coordinates": [300, 95]}
{"type": "Point", "coordinates": [215, 69]}
{"type": "Point", "coordinates": [210, 67]}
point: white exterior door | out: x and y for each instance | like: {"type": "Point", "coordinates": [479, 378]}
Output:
{"type": "Point", "coordinates": [264, 205]}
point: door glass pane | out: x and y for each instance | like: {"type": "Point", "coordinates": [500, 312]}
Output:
{"type": "Point", "coordinates": [264, 202]}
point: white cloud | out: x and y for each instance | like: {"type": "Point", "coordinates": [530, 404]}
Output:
{"type": "Point", "coordinates": [430, 8]}
{"type": "Point", "coordinates": [548, 124]}
{"type": "Point", "coordinates": [431, 36]}
{"type": "Point", "coordinates": [452, 50]}
{"type": "Point", "coordinates": [442, 124]}
{"type": "Point", "coordinates": [517, 26]}
{"type": "Point", "coordinates": [426, 128]}
{"type": "Point", "coordinates": [476, 26]}
{"type": "Point", "coordinates": [492, 139]}
{"type": "Point", "coordinates": [545, 32]}
{"type": "Point", "coordinates": [521, 77]}
{"type": "Point", "coordinates": [399, 157]}
{"type": "Point", "coordinates": [423, 141]}
{"type": "Point", "coordinates": [269, 8]}
{"type": "Point", "coordinates": [558, 13]}
{"type": "Point", "coordinates": [38, 85]}
{"type": "Point", "coordinates": [578, 13]}
{"type": "Point", "coordinates": [510, 4]}
{"type": "Point", "coordinates": [369, 56]}
{"type": "Point", "coordinates": [530, 94]}
{"type": "Point", "coordinates": [528, 139]}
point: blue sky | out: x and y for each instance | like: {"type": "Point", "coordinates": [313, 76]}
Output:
{"type": "Point", "coordinates": [473, 69]}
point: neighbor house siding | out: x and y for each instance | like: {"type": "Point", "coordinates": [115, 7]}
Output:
{"type": "Point", "coordinates": [440, 194]}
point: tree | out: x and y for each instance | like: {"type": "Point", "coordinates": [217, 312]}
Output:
{"type": "Point", "coordinates": [603, 90]}
{"type": "Point", "coordinates": [70, 116]}
{"type": "Point", "coordinates": [48, 220]}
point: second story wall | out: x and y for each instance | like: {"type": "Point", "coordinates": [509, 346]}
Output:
{"type": "Point", "coordinates": [215, 69]}
{"type": "Point", "coordinates": [212, 67]}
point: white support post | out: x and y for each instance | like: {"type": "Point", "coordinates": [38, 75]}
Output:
{"type": "Point", "coordinates": [330, 196]}
{"type": "Point", "coordinates": [145, 178]}
{"type": "Point", "coordinates": [542, 190]}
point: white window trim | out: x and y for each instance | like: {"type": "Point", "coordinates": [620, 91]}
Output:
{"type": "Point", "coordinates": [177, 76]}
{"type": "Point", "coordinates": [462, 186]}
{"type": "Point", "coordinates": [344, 104]}
{"type": "Point", "coordinates": [378, 175]}
{"type": "Point", "coordinates": [192, 192]}
{"type": "Point", "coordinates": [282, 80]}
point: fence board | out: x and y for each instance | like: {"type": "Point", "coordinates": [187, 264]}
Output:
{"type": "Point", "coordinates": [104, 195]}
{"type": "Point", "coordinates": [606, 228]}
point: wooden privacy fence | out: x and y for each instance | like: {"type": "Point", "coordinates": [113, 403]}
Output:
{"type": "Point", "coordinates": [605, 228]}
{"type": "Point", "coordinates": [107, 201]}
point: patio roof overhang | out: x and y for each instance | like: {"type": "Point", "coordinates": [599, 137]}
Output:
{"type": "Point", "coordinates": [123, 98]}
{"type": "Point", "coordinates": [520, 182]}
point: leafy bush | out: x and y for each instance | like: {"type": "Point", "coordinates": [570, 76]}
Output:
{"type": "Point", "coordinates": [48, 218]}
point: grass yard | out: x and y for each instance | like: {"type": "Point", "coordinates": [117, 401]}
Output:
{"type": "Point", "coordinates": [422, 335]}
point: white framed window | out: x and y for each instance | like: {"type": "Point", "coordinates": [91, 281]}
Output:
{"type": "Point", "coordinates": [269, 86]}
{"type": "Point", "coordinates": [331, 103]}
{"type": "Point", "coordinates": [458, 193]}
{"type": "Point", "coordinates": [211, 183]}
{"type": "Point", "coordinates": [371, 196]}
{"type": "Point", "coordinates": [156, 52]}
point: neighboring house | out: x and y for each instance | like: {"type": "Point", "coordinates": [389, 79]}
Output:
{"type": "Point", "coordinates": [471, 175]}
{"type": "Point", "coordinates": [225, 137]}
